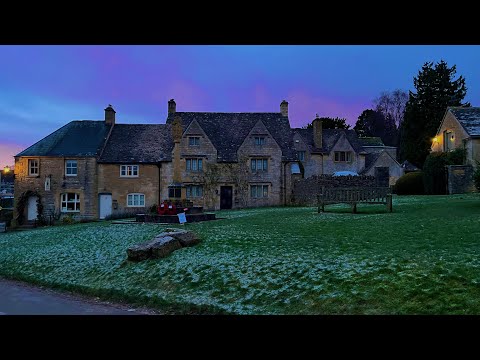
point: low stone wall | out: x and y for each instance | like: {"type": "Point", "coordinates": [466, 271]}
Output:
{"type": "Point", "coordinates": [460, 179]}
{"type": "Point", "coordinates": [305, 191]}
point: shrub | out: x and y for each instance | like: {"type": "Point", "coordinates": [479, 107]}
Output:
{"type": "Point", "coordinates": [122, 215]}
{"type": "Point", "coordinates": [434, 177]}
{"type": "Point", "coordinates": [153, 209]}
{"type": "Point", "coordinates": [457, 156]}
{"type": "Point", "coordinates": [68, 219]}
{"type": "Point", "coordinates": [6, 216]}
{"type": "Point", "coordinates": [476, 176]}
{"type": "Point", "coordinates": [410, 184]}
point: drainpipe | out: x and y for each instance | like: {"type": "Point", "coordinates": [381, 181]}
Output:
{"type": "Point", "coordinates": [159, 183]}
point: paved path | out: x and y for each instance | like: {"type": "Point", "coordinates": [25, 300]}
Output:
{"type": "Point", "coordinates": [18, 298]}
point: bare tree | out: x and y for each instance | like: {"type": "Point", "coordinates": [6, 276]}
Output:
{"type": "Point", "coordinates": [392, 104]}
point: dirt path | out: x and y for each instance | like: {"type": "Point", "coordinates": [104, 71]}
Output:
{"type": "Point", "coordinates": [19, 298]}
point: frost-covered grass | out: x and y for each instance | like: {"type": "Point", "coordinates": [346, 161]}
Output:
{"type": "Point", "coordinates": [424, 258]}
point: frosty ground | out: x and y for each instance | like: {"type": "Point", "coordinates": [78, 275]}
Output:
{"type": "Point", "coordinates": [421, 259]}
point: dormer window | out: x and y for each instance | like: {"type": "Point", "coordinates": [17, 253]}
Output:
{"type": "Point", "coordinates": [259, 140]}
{"type": "Point", "coordinates": [193, 140]}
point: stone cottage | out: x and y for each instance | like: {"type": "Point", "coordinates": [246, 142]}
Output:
{"type": "Point", "coordinates": [94, 169]}
{"type": "Point", "coordinates": [460, 128]}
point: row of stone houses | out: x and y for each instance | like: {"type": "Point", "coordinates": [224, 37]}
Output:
{"type": "Point", "coordinates": [93, 169]}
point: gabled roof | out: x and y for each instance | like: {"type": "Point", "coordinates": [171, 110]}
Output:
{"type": "Point", "coordinates": [138, 143]}
{"type": "Point", "coordinates": [469, 118]}
{"type": "Point", "coordinates": [329, 139]}
{"type": "Point", "coordinates": [371, 159]}
{"type": "Point", "coordinates": [77, 138]}
{"type": "Point", "coordinates": [227, 131]}
{"type": "Point", "coordinates": [408, 166]}
{"type": "Point", "coordinates": [371, 141]}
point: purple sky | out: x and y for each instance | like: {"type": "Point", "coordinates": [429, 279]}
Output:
{"type": "Point", "coordinates": [44, 87]}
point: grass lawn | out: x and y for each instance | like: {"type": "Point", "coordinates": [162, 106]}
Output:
{"type": "Point", "coordinates": [424, 258]}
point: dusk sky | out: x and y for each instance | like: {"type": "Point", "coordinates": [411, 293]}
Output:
{"type": "Point", "coordinates": [44, 87]}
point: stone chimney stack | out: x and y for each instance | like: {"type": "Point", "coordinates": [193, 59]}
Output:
{"type": "Point", "coordinates": [317, 132]}
{"type": "Point", "coordinates": [172, 107]}
{"type": "Point", "coordinates": [284, 108]}
{"type": "Point", "coordinates": [109, 115]}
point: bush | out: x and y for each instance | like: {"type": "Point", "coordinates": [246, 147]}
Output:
{"type": "Point", "coordinates": [68, 220]}
{"type": "Point", "coordinates": [410, 184]}
{"type": "Point", "coordinates": [122, 215]}
{"type": "Point", "coordinates": [6, 216]}
{"type": "Point", "coordinates": [476, 176]}
{"type": "Point", "coordinates": [434, 176]}
{"type": "Point", "coordinates": [457, 156]}
{"type": "Point", "coordinates": [153, 209]}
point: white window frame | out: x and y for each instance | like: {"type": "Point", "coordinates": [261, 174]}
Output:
{"type": "Point", "coordinates": [37, 167]}
{"type": "Point", "coordinates": [67, 167]}
{"type": "Point", "coordinates": [133, 203]}
{"type": "Point", "coordinates": [64, 200]}
{"type": "Point", "coordinates": [195, 140]}
{"type": "Point", "coordinates": [129, 168]}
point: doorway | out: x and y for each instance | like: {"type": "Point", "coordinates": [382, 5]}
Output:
{"type": "Point", "coordinates": [226, 197]}
{"type": "Point", "coordinates": [32, 209]}
{"type": "Point", "coordinates": [105, 205]}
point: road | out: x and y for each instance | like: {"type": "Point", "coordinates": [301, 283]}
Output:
{"type": "Point", "coordinates": [18, 298]}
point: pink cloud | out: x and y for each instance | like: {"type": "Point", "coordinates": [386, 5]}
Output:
{"type": "Point", "coordinates": [7, 152]}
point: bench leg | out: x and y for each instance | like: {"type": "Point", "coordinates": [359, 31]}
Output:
{"type": "Point", "coordinates": [354, 208]}
{"type": "Point", "coordinates": [389, 203]}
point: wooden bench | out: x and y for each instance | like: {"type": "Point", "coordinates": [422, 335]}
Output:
{"type": "Point", "coordinates": [354, 196]}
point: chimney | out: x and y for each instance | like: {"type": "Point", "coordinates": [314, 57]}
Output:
{"type": "Point", "coordinates": [317, 132]}
{"type": "Point", "coordinates": [109, 115]}
{"type": "Point", "coordinates": [284, 108]}
{"type": "Point", "coordinates": [172, 107]}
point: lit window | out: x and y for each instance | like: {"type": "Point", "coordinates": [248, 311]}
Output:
{"type": "Point", "coordinates": [194, 164]}
{"type": "Point", "coordinates": [301, 155]}
{"type": "Point", "coordinates": [32, 167]}
{"type": "Point", "coordinates": [259, 191]}
{"type": "Point", "coordinates": [343, 156]}
{"type": "Point", "coordinates": [129, 171]}
{"type": "Point", "coordinates": [70, 202]}
{"type": "Point", "coordinates": [194, 191]}
{"type": "Point", "coordinates": [135, 200]}
{"type": "Point", "coordinates": [259, 165]}
{"type": "Point", "coordinates": [71, 168]}
{"type": "Point", "coordinates": [259, 140]}
{"type": "Point", "coordinates": [193, 141]}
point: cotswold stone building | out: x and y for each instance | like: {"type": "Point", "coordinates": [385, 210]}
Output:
{"type": "Point", "coordinates": [93, 169]}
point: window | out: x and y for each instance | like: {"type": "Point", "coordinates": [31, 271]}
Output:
{"type": "Point", "coordinates": [32, 167]}
{"type": "Point", "coordinates": [193, 141]}
{"type": "Point", "coordinates": [71, 168]}
{"type": "Point", "coordinates": [174, 192]}
{"type": "Point", "coordinates": [259, 191]}
{"type": "Point", "coordinates": [448, 140]}
{"type": "Point", "coordinates": [70, 202]}
{"type": "Point", "coordinates": [194, 191]}
{"type": "Point", "coordinates": [301, 155]}
{"type": "Point", "coordinates": [259, 165]}
{"type": "Point", "coordinates": [129, 171]}
{"type": "Point", "coordinates": [259, 140]}
{"type": "Point", "coordinates": [135, 200]}
{"type": "Point", "coordinates": [343, 156]}
{"type": "Point", "coordinates": [194, 164]}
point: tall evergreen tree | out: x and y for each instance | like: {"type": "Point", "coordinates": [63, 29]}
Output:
{"type": "Point", "coordinates": [374, 123]}
{"type": "Point", "coordinates": [436, 89]}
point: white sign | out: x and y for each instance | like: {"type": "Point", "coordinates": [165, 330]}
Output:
{"type": "Point", "coordinates": [182, 218]}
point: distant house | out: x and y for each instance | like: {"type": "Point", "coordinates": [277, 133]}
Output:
{"type": "Point", "coordinates": [326, 151]}
{"type": "Point", "coordinates": [409, 167]}
{"type": "Point", "coordinates": [460, 128]}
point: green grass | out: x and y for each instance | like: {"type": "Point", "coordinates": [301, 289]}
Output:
{"type": "Point", "coordinates": [424, 258]}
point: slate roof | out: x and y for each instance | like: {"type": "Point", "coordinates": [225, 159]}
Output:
{"type": "Point", "coordinates": [370, 160]}
{"type": "Point", "coordinates": [469, 117]}
{"type": "Point", "coordinates": [227, 131]}
{"type": "Point", "coordinates": [138, 143]}
{"type": "Point", "coordinates": [77, 138]}
{"type": "Point", "coordinates": [371, 141]}
{"type": "Point", "coordinates": [329, 139]}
